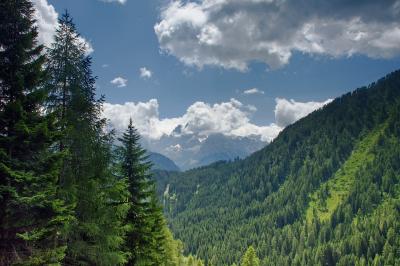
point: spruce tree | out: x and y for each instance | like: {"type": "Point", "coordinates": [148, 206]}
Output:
{"type": "Point", "coordinates": [86, 181]}
{"type": "Point", "coordinates": [31, 215]}
{"type": "Point", "coordinates": [250, 258]}
{"type": "Point", "coordinates": [141, 216]}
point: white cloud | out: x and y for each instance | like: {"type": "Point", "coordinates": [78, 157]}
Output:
{"type": "Point", "coordinates": [47, 22]}
{"type": "Point", "coordinates": [144, 115]}
{"type": "Point", "coordinates": [253, 91]}
{"type": "Point", "coordinates": [88, 46]}
{"type": "Point", "coordinates": [230, 118]}
{"type": "Point", "coordinates": [288, 112]}
{"type": "Point", "coordinates": [232, 33]}
{"type": "Point", "coordinates": [120, 82]}
{"type": "Point", "coordinates": [115, 1]}
{"type": "Point", "coordinates": [145, 73]}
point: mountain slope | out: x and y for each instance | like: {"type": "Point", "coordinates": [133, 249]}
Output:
{"type": "Point", "coordinates": [314, 164]}
{"type": "Point", "coordinates": [161, 162]}
{"type": "Point", "coordinates": [332, 193]}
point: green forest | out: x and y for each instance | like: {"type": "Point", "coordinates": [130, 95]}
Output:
{"type": "Point", "coordinates": [326, 191]}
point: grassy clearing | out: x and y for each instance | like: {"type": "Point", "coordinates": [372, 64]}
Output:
{"type": "Point", "coordinates": [333, 192]}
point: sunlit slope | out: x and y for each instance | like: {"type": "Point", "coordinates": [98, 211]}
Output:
{"type": "Point", "coordinates": [333, 192]}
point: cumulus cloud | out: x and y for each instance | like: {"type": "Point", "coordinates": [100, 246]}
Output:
{"type": "Point", "coordinates": [47, 22]}
{"type": "Point", "coordinates": [145, 73]}
{"type": "Point", "coordinates": [253, 91]}
{"type": "Point", "coordinates": [288, 112]}
{"type": "Point", "coordinates": [230, 118]}
{"type": "Point", "coordinates": [114, 1]}
{"type": "Point", "coordinates": [232, 33]}
{"type": "Point", "coordinates": [120, 82]}
{"type": "Point", "coordinates": [88, 46]}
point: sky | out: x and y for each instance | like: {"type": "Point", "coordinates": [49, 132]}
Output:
{"type": "Point", "coordinates": [237, 67]}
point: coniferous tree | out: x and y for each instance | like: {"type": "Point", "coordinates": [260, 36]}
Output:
{"type": "Point", "coordinates": [31, 215]}
{"type": "Point", "coordinates": [250, 258]}
{"type": "Point", "coordinates": [86, 179]}
{"type": "Point", "coordinates": [135, 170]}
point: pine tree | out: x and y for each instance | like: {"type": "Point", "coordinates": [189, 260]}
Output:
{"type": "Point", "coordinates": [250, 258]}
{"type": "Point", "coordinates": [31, 215]}
{"type": "Point", "coordinates": [86, 181]}
{"type": "Point", "coordinates": [135, 170]}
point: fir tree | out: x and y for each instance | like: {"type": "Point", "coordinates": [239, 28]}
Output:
{"type": "Point", "coordinates": [250, 258]}
{"type": "Point", "coordinates": [31, 215]}
{"type": "Point", "coordinates": [135, 170]}
{"type": "Point", "coordinates": [86, 180]}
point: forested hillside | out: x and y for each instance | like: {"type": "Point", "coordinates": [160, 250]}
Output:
{"type": "Point", "coordinates": [326, 191]}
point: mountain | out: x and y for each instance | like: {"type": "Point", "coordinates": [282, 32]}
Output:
{"type": "Point", "coordinates": [161, 162]}
{"type": "Point", "coordinates": [192, 150]}
{"type": "Point", "coordinates": [326, 191]}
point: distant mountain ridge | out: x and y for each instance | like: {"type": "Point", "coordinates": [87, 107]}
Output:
{"type": "Point", "coordinates": [326, 191]}
{"type": "Point", "coordinates": [161, 162]}
{"type": "Point", "coordinates": [191, 150]}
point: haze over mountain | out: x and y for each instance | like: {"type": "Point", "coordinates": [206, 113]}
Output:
{"type": "Point", "coordinates": [191, 150]}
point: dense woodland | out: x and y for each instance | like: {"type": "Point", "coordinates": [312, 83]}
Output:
{"type": "Point", "coordinates": [68, 194]}
{"type": "Point", "coordinates": [326, 191]}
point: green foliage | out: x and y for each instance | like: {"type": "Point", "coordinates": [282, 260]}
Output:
{"type": "Point", "coordinates": [342, 160]}
{"type": "Point", "coordinates": [326, 191]}
{"type": "Point", "coordinates": [250, 258]}
{"type": "Point", "coordinates": [333, 192]}
{"type": "Point", "coordinates": [66, 197]}
{"type": "Point", "coordinates": [149, 241]}
{"type": "Point", "coordinates": [142, 215]}
{"type": "Point", "coordinates": [87, 181]}
{"type": "Point", "coordinates": [31, 214]}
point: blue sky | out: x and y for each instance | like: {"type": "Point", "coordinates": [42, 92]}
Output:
{"type": "Point", "coordinates": [124, 40]}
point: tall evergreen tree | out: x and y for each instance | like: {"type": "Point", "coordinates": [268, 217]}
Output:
{"type": "Point", "coordinates": [149, 240]}
{"type": "Point", "coordinates": [31, 215]}
{"type": "Point", "coordinates": [135, 170]}
{"type": "Point", "coordinates": [86, 181]}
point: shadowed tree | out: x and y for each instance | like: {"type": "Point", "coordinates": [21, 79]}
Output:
{"type": "Point", "coordinates": [31, 215]}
